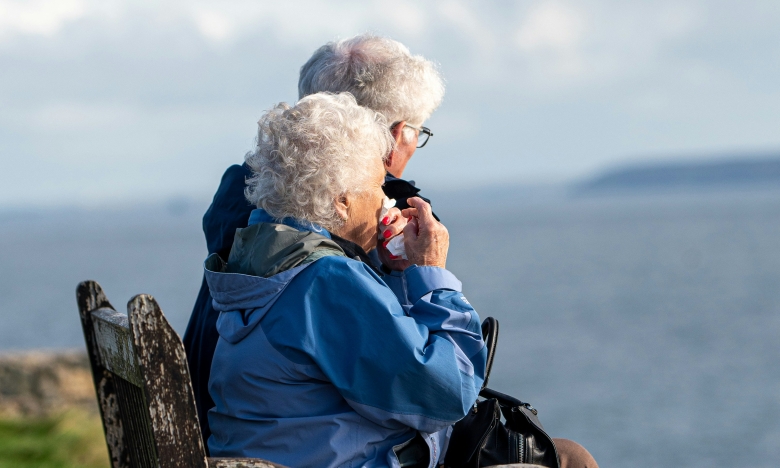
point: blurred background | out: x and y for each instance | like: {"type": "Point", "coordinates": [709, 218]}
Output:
{"type": "Point", "coordinates": [609, 172]}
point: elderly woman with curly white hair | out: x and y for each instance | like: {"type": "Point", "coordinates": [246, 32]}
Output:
{"type": "Point", "coordinates": [318, 363]}
{"type": "Point", "coordinates": [385, 77]}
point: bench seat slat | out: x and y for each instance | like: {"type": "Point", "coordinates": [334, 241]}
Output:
{"type": "Point", "coordinates": [241, 463]}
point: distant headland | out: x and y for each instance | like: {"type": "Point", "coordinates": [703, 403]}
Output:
{"type": "Point", "coordinates": [737, 171]}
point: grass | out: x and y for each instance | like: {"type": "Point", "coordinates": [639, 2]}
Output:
{"type": "Point", "coordinates": [73, 439]}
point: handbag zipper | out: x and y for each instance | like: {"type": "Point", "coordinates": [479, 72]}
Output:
{"type": "Point", "coordinates": [552, 442]}
{"type": "Point", "coordinates": [520, 448]}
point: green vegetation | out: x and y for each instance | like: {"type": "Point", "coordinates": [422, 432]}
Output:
{"type": "Point", "coordinates": [73, 439]}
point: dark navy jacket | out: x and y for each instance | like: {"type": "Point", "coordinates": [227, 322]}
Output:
{"type": "Point", "coordinates": [229, 211]}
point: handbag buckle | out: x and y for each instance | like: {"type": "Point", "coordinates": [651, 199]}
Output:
{"type": "Point", "coordinates": [527, 406]}
{"type": "Point", "coordinates": [531, 408]}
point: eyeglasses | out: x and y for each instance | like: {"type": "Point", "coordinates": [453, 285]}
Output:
{"type": "Point", "coordinates": [423, 134]}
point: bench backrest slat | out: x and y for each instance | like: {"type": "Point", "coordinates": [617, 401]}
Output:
{"type": "Point", "coordinates": [167, 384]}
{"type": "Point", "coordinates": [115, 344]}
{"type": "Point", "coordinates": [90, 297]}
{"type": "Point", "coordinates": [142, 382]}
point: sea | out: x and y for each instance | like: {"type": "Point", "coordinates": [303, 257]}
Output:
{"type": "Point", "coordinates": [644, 326]}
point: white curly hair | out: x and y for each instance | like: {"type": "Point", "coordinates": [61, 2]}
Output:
{"type": "Point", "coordinates": [381, 73]}
{"type": "Point", "coordinates": [309, 154]}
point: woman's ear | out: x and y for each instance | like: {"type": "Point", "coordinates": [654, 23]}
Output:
{"type": "Point", "coordinates": [342, 205]}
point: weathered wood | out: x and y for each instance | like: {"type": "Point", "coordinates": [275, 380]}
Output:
{"type": "Point", "coordinates": [115, 343]}
{"type": "Point", "coordinates": [163, 364]}
{"type": "Point", "coordinates": [143, 386]}
{"type": "Point", "coordinates": [112, 421]}
{"type": "Point", "coordinates": [90, 297]}
{"type": "Point", "coordinates": [137, 424]}
{"type": "Point", "coordinates": [241, 463]}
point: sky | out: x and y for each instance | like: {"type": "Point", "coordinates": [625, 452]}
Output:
{"type": "Point", "coordinates": [110, 101]}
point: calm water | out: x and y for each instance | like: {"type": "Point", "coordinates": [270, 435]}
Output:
{"type": "Point", "coordinates": [647, 329]}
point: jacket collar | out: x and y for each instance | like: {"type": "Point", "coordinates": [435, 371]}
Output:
{"type": "Point", "coordinates": [259, 215]}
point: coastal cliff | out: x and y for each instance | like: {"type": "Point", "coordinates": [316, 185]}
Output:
{"type": "Point", "coordinates": [743, 171]}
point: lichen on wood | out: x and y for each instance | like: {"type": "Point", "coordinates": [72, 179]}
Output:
{"type": "Point", "coordinates": [112, 423]}
{"type": "Point", "coordinates": [166, 380]}
{"type": "Point", "coordinates": [241, 463]}
{"type": "Point", "coordinates": [144, 388]}
{"type": "Point", "coordinates": [113, 339]}
{"type": "Point", "coordinates": [90, 297]}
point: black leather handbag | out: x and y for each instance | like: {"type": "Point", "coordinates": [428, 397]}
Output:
{"type": "Point", "coordinates": [482, 439]}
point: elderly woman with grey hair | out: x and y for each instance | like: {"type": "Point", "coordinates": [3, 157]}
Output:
{"type": "Point", "coordinates": [383, 76]}
{"type": "Point", "coordinates": [318, 363]}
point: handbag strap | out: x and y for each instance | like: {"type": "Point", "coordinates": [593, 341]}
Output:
{"type": "Point", "coordinates": [512, 404]}
{"type": "Point", "coordinates": [504, 399]}
{"type": "Point", "coordinates": [490, 336]}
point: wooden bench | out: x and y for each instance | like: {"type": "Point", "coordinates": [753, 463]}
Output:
{"type": "Point", "coordinates": [143, 386]}
{"type": "Point", "coordinates": [144, 389]}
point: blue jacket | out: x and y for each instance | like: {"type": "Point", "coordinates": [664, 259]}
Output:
{"type": "Point", "coordinates": [229, 211]}
{"type": "Point", "coordinates": [320, 365]}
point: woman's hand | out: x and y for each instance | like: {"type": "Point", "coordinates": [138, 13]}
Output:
{"type": "Point", "coordinates": [426, 240]}
{"type": "Point", "coordinates": [390, 226]}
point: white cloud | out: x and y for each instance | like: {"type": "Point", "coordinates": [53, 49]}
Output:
{"type": "Point", "coordinates": [567, 83]}
{"type": "Point", "coordinates": [567, 46]}
{"type": "Point", "coordinates": [42, 17]}
{"type": "Point", "coordinates": [69, 116]}
{"type": "Point", "coordinates": [467, 20]}
{"type": "Point", "coordinates": [552, 41]}
{"type": "Point", "coordinates": [679, 19]}
{"type": "Point", "coordinates": [551, 25]}
{"type": "Point", "coordinates": [301, 21]}
{"type": "Point", "coordinates": [214, 25]}
{"type": "Point", "coordinates": [407, 17]}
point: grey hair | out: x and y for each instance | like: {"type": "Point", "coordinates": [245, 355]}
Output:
{"type": "Point", "coordinates": [310, 154]}
{"type": "Point", "coordinates": [381, 73]}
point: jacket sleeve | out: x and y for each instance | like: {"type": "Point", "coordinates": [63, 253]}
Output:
{"type": "Point", "coordinates": [422, 370]}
